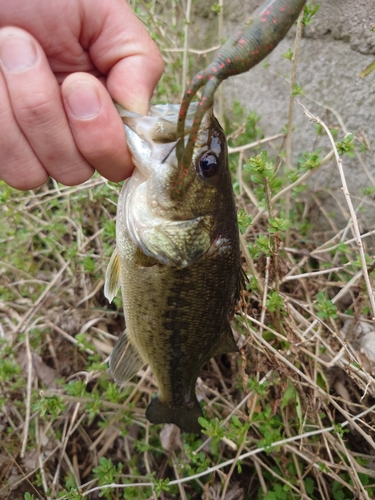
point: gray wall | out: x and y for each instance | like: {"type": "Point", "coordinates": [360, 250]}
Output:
{"type": "Point", "coordinates": [335, 48]}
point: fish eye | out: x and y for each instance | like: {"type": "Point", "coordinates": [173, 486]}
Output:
{"type": "Point", "coordinates": [207, 164]}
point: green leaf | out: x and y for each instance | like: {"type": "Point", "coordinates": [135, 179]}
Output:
{"type": "Point", "coordinates": [309, 12]}
{"type": "Point", "coordinates": [288, 54]}
{"type": "Point", "coordinates": [278, 225]}
{"type": "Point", "coordinates": [160, 485]}
{"type": "Point", "coordinates": [49, 406]}
{"type": "Point", "coordinates": [325, 308]}
{"type": "Point", "coordinates": [297, 90]}
{"type": "Point", "coordinates": [216, 8]}
{"type": "Point", "coordinates": [346, 146]}
{"type": "Point", "coordinates": [244, 220]}
{"type": "Point", "coordinates": [369, 69]}
{"type": "Point", "coordinates": [309, 485]}
{"type": "Point", "coordinates": [291, 394]}
{"type": "Point", "coordinates": [275, 302]}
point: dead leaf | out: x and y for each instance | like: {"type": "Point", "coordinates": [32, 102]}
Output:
{"type": "Point", "coordinates": [170, 438]}
{"type": "Point", "coordinates": [30, 462]}
{"type": "Point", "coordinates": [368, 346]}
{"type": "Point", "coordinates": [45, 373]}
{"type": "Point", "coordinates": [214, 493]}
{"type": "Point", "coordinates": [361, 334]}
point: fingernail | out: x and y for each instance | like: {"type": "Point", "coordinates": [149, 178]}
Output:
{"type": "Point", "coordinates": [82, 100]}
{"type": "Point", "coordinates": [17, 53]}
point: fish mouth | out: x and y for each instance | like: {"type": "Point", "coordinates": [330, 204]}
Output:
{"type": "Point", "coordinates": [155, 135]}
{"type": "Point", "coordinates": [147, 205]}
{"type": "Point", "coordinates": [152, 142]}
{"type": "Point", "coordinates": [160, 125]}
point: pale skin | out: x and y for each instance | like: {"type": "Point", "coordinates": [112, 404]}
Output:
{"type": "Point", "coordinates": [62, 62]}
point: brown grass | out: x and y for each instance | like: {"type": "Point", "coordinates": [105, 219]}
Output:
{"type": "Point", "coordinates": [294, 411]}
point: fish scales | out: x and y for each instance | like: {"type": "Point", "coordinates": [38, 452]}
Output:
{"type": "Point", "coordinates": [178, 263]}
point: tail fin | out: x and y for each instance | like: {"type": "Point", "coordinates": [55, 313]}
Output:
{"type": "Point", "coordinates": [185, 417]}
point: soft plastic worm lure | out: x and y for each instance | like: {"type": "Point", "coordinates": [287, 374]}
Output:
{"type": "Point", "coordinates": [261, 33]}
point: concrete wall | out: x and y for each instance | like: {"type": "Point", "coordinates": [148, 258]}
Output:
{"type": "Point", "coordinates": [338, 45]}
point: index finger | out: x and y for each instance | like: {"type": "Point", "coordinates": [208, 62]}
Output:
{"type": "Point", "coordinates": [125, 52]}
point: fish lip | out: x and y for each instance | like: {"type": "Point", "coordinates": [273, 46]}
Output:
{"type": "Point", "coordinates": [162, 121]}
{"type": "Point", "coordinates": [152, 138]}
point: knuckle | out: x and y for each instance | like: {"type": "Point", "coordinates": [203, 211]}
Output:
{"type": "Point", "coordinates": [34, 112]}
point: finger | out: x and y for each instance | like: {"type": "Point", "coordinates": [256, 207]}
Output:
{"type": "Point", "coordinates": [98, 131]}
{"type": "Point", "coordinates": [124, 51]}
{"type": "Point", "coordinates": [37, 107]}
{"type": "Point", "coordinates": [141, 76]}
{"type": "Point", "coordinates": [19, 166]}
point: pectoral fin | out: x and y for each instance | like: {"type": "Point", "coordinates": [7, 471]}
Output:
{"type": "Point", "coordinates": [125, 360]}
{"type": "Point", "coordinates": [112, 277]}
{"type": "Point", "coordinates": [178, 243]}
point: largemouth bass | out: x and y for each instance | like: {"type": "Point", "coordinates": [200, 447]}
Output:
{"type": "Point", "coordinates": [177, 261]}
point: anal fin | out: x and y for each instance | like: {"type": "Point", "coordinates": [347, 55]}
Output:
{"type": "Point", "coordinates": [125, 360]}
{"type": "Point", "coordinates": [227, 343]}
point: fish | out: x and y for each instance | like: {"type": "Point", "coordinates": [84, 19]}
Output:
{"type": "Point", "coordinates": [177, 261]}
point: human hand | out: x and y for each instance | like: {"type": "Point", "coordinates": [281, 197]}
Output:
{"type": "Point", "coordinates": [62, 63]}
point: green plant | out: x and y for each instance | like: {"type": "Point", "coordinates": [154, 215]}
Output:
{"type": "Point", "coordinates": [244, 220]}
{"type": "Point", "coordinates": [49, 407]}
{"type": "Point", "coordinates": [268, 410]}
{"type": "Point", "coordinates": [325, 308]}
{"type": "Point", "coordinates": [346, 146]}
